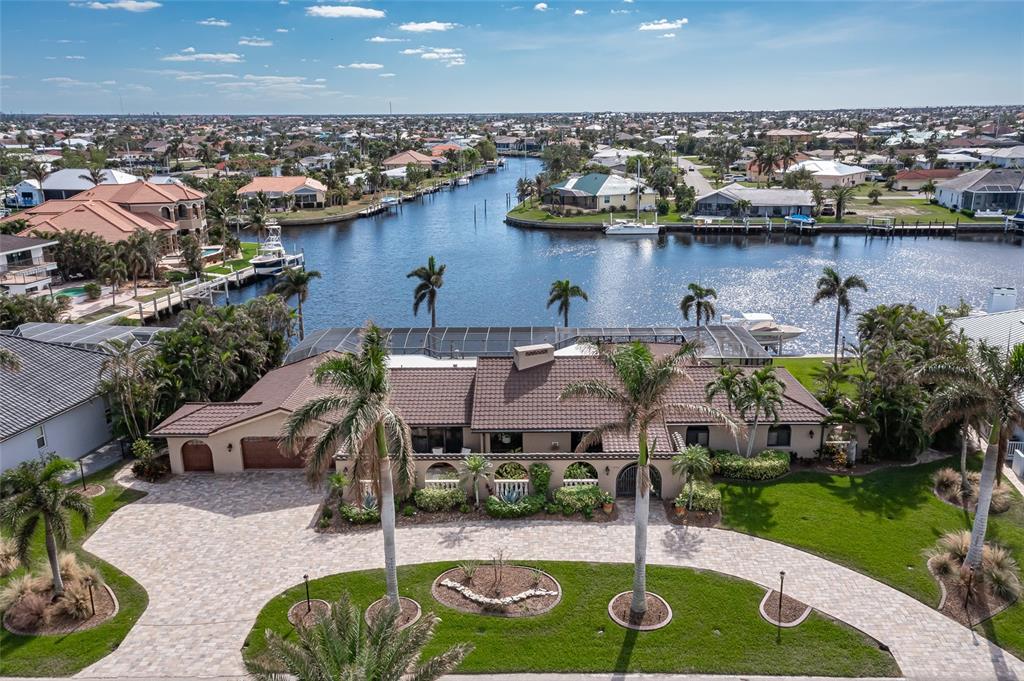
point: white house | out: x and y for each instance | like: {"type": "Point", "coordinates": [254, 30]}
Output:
{"type": "Point", "coordinates": [763, 202]}
{"type": "Point", "coordinates": [596, 191]}
{"type": "Point", "coordinates": [957, 161]}
{"type": "Point", "coordinates": [65, 183]}
{"type": "Point", "coordinates": [1009, 157]}
{"type": "Point", "coordinates": [989, 189]}
{"type": "Point", "coordinates": [51, 402]}
{"type": "Point", "coordinates": [27, 194]}
{"type": "Point", "coordinates": [25, 266]}
{"type": "Point", "coordinates": [832, 173]}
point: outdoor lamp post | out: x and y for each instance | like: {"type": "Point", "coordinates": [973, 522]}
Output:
{"type": "Point", "coordinates": [309, 607]}
{"type": "Point", "coordinates": [782, 583]}
{"type": "Point", "coordinates": [81, 473]}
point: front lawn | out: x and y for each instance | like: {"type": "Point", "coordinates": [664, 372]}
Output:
{"type": "Point", "coordinates": [523, 212]}
{"type": "Point", "coordinates": [715, 629]}
{"type": "Point", "coordinates": [803, 368]}
{"type": "Point", "coordinates": [249, 251]}
{"type": "Point", "coordinates": [66, 654]}
{"type": "Point", "coordinates": [879, 524]}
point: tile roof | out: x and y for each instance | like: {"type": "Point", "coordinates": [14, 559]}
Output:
{"type": "Point", "coordinates": [986, 180]}
{"type": "Point", "coordinates": [105, 219]}
{"type": "Point", "coordinates": [407, 157]}
{"type": "Point", "coordinates": [927, 174]}
{"type": "Point", "coordinates": [203, 418]}
{"type": "Point", "coordinates": [142, 193]}
{"type": "Point", "coordinates": [52, 379]}
{"type": "Point", "coordinates": [280, 185]}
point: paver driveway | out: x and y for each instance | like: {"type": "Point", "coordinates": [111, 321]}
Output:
{"type": "Point", "coordinates": [212, 550]}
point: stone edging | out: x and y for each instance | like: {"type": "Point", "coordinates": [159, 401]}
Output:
{"type": "Point", "coordinates": [298, 603]}
{"type": "Point", "coordinates": [772, 620]}
{"type": "Point", "coordinates": [639, 627]}
{"type": "Point", "coordinates": [414, 620]}
{"type": "Point", "coordinates": [117, 609]}
{"type": "Point", "coordinates": [558, 599]}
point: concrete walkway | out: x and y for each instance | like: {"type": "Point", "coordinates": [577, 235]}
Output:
{"type": "Point", "coordinates": [212, 550]}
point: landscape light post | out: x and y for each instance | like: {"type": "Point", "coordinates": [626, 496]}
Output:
{"type": "Point", "coordinates": [81, 473]}
{"type": "Point", "coordinates": [782, 583]}
{"type": "Point", "coordinates": [309, 607]}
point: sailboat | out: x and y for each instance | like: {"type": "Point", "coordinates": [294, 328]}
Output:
{"type": "Point", "coordinates": [272, 258]}
{"type": "Point", "coordinates": [633, 227]}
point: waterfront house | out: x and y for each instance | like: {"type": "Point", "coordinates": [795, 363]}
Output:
{"type": "Point", "coordinates": [26, 194]}
{"type": "Point", "coordinates": [913, 180]}
{"type": "Point", "coordinates": [286, 192]}
{"type": "Point", "coordinates": [986, 189]}
{"type": "Point", "coordinates": [763, 202]}
{"type": "Point", "coordinates": [25, 263]}
{"type": "Point", "coordinates": [51, 403]}
{"type": "Point", "coordinates": [65, 183]}
{"type": "Point", "coordinates": [600, 192]}
{"type": "Point", "coordinates": [832, 173]}
{"type": "Point", "coordinates": [957, 161]}
{"type": "Point", "coordinates": [405, 158]}
{"type": "Point", "coordinates": [1011, 157]}
{"type": "Point", "coordinates": [503, 403]}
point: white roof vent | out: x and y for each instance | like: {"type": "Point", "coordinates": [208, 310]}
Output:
{"type": "Point", "coordinates": [528, 356]}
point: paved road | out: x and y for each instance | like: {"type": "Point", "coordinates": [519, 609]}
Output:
{"type": "Point", "coordinates": [211, 550]}
{"type": "Point", "coordinates": [693, 178]}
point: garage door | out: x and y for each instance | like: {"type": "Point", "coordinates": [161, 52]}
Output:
{"type": "Point", "coordinates": [196, 456]}
{"type": "Point", "coordinates": [266, 452]}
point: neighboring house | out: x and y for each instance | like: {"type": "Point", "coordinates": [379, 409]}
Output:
{"type": "Point", "coordinates": [1011, 157]}
{"type": "Point", "coordinates": [506, 144]}
{"type": "Point", "coordinates": [171, 201]}
{"type": "Point", "coordinates": [507, 408]}
{"type": "Point", "coordinates": [596, 191]}
{"type": "Point", "coordinates": [63, 184]}
{"type": "Point", "coordinates": [989, 189]}
{"type": "Point", "coordinates": [789, 135]}
{"type": "Point", "coordinates": [25, 263]}
{"type": "Point", "coordinates": [913, 180]}
{"type": "Point", "coordinates": [757, 174]}
{"type": "Point", "coordinates": [832, 173]}
{"type": "Point", "coordinates": [27, 194]}
{"type": "Point", "coordinates": [956, 161]}
{"type": "Point", "coordinates": [763, 202]}
{"type": "Point", "coordinates": [404, 158]}
{"type": "Point", "coordinates": [616, 158]}
{"type": "Point", "coordinates": [437, 150]}
{"type": "Point", "coordinates": [51, 403]}
{"type": "Point", "coordinates": [286, 192]}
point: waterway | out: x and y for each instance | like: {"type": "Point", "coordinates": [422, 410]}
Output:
{"type": "Point", "coordinates": [500, 275]}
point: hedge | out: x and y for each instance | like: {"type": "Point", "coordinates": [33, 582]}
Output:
{"type": "Point", "coordinates": [767, 465]}
{"type": "Point", "coordinates": [706, 497]}
{"type": "Point", "coordinates": [580, 499]}
{"type": "Point", "coordinates": [528, 505]}
{"type": "Point", "coordinates": [434, 499]}
{"type": "Point", "coordinates": [359, 516]}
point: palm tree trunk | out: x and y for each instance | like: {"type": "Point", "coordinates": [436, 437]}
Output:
{"type": "Point", "coordinates": [835, 345]}
{"type": "Point", "coordinates": [302, 321]}
{"type": "Point", "coordinates": [638, 605]}
{"type": "Point", "coordinates": [433, 316]}
{"type": "Point", "coordinates": [565, 315]}
{"type": "Point", "coordinates": [753, 434]}
{"type": "Point", "coordinates": [476, 491]}
{"type": "Point", "coordinates": [51, 553]}
{"type": "Point", "coordinates": [988, 478]}
{"type": "Point", "coordinates": [387, 517]}
{"type": "Point", "coordinates": [964, 484]}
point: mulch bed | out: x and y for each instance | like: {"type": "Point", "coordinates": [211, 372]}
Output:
{"type": "Point", "coordinates": [515, 579]}
{"type": "Point", "coordinates": [409, 615]}
{"type": "Point", "coordinates": [341, 526]}
{"type": "Point", "coordinates": [106, 607]}
{"type": "Point", "coordinates": [692, 518]}
{"type": "Point", "coordinates": [982, 605]}
{"type": "Point", "coordinates": [792, 609]}
{"type": "Point", "coordinates": [301, 615]}
{"type": "Point", "coordinates": [658, 613]}
{"type": "Point", "coordinates": [453, 516]}
{"type": "Point", "coordinates": [92, 490]}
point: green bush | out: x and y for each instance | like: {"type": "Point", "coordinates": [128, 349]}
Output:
{"type": "Point", "coordinates": [540, 478]}
{"type": "Point", "coordinates": [434, 499]}
{"type": "Point", "coordinates": [528, 505]}
{"type": "Point", "coordinates": [581, 499]}
{"type": "Point", "coordinates": [359, 516]}
{"type": "Point", "coordinates": [580, 471]}
{"type": "Point", "coordinates": [92, 290]}
{"type": "Point", "coordinates": [767, 465]}
{"type": "Point", "coordinates": [510, 470]}
{"type": "Point", "coordinates": [706, 497]}
{"type": "Point", "coordinates": [409, 511]}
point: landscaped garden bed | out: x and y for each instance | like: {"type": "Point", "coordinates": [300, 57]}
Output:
{"type": "Point", "coordinates": [30, 608]}
{"type": "Point", "coordinates": [973, 596]}
{"type": "Point", "coordinates": [496, 588]}
{"type": "Point", "coordinates": [307, 613]}
{"type": "Point", "coordinates": [949, 488]}
{"type": "Point", "coordinates": [657, 614]}
{"type": "Point", "coordinates": [409, 611]}
{"type": "Point", "coordinates": [783, 610]}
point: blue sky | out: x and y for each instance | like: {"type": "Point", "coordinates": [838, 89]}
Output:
{"type": "Point", "coordinates": [327, 56]}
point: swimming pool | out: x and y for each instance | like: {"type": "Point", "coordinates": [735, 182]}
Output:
{"type": "Point", "coordinates": [72, 292]}
{"type": "Point", "coordinates": [211, 250]}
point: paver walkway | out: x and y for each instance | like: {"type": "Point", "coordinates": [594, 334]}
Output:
{"type": "Point", "coordinates": [212, 550]}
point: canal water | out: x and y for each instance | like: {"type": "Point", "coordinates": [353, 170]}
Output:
{"type": "Point", "coordinates": [500, 275]}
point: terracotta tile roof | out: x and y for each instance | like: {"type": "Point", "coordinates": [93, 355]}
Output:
{"type": "Point", "coordinates": [105, 219]}
{"type": "Point", "coordinates": [280, 185]}
{"type": "Point", "coordinates": [203, 418]}
{"type": "Point", "coordinates": [404, 158]}
{"type": "Point", "coordinates": [434, 397]}
{"type": "Point", "coordinates": [142, 193]}
{"type": "Point", "coordinates": [927, 174]}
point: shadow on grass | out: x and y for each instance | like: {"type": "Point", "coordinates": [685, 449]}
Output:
{"type": "Point", "coordinates": [747, 509]}
{"type": "Point", "coordinates": [886, 493]}
{"type": "Point", "coordinates": [625, 654]}
{"type": "Point", "coordinates": [1000, 668]}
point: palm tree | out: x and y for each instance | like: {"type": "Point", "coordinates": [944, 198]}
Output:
{"type": "Point", "coordinates": [295, 282]}
{"type": "Point", "coordinates": [761, 392]}
{"type": "Point", "coordinates": [136, 256]}
{"type": "Point", "coordinates": [767, 158]}
{"type": "Point", "coordinates": [842, 196]}
{"type": "Point", "coordinates": [742, 206]}
{"type": "Point", "coordinates": [699, 301]}
{"type": "Point", "coordinates": [727, 382]}
{"type": "Point", "coordinates": [691, 463]}
{"type": "Point", "coordinates": [787, 156]}
{"type": "Point", "coordinates": [127, 383]}
{"type": "Point", "coordinates": [114, 272]}
{"type": "Point", "coordinates": [431, 279]}
{"type": "Point", "coordinates": [36, 171]}
{"type": "Point", "coordinates": [641, 391]}
{"type": "Point", "coordinates": [362, 423]}
{"type": "Point", "coordinates": [9, 361]}
{"type": "Point", "coordinates": [474, 469]}
{"type": "Point", "coordinates": [831, 286]}
{"type": "Point", "coordinates": [37, 494]}
{"type": "Point", "coordinates": [562, 292]}
{"type": "Point", "coordinates": [93, 174]}
{"type": "Point", "coordinates": [338, 646]}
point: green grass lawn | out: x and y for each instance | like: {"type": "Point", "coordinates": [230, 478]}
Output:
{"type": "Point", "coordinates": [524, 212]}
{"type": "Point", "coordinates": [903, 210]}
{"type": "Point", "coordinates": [101, 313]}
{"type": "Point", "coordinates": [879, 524]}
{"type": "Point", "coordinates": [803, 368]}
{"type": "Point", "coordinates": [249, 251]}
{"type": "Point", "coordinates": [68, 653]}
{"type": "Point", "coordinates": [716, 627]}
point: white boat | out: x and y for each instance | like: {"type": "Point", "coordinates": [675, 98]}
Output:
{"type": "Point", "coordinates": [631, 228]}
{"type": "Point", "coordinates": [763, 327]}
{"type": "Point", "coordinates": [462, 181]}
{"type": "Point", "coordinates": [272, 258]}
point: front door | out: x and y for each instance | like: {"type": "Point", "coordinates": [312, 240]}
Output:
{"type": "Point", "coordinates": [625, 484]}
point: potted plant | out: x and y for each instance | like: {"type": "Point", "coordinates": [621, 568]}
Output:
{"type": "Point", "coordinates": [680, 506]}
{"type": "Point", "coordinates": [607, 503]}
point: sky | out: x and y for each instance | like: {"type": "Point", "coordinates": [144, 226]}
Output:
{"type": "Point", "coordinates": [369, 56]}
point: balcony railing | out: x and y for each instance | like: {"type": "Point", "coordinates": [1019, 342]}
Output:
{"type": "Point", "coordinates": [442, 483]}
{"type": "Point", "coordinates": [26, 271]}
{"type": "Point", "coordinates": [580, 482]}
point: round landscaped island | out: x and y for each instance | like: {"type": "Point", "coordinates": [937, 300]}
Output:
{"type": "Point", "coordinates": [715, 627]}
{"type": "Point", "coordinates": [502, 590]}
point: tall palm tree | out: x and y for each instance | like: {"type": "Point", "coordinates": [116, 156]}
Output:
{"type": "Point", "coordinates": [93, 174]}
{"type": "Point", "coordinates": [727, 382]}
{"type": "Point", "coordinates": [295, 282]}
{"type": "Point", "coordinates": [136, 256]}
{"type": "Point", "coordinates": [338, 646]}
{"type": "Point", "coordinates": [431, 279]}
{"type": "Point", "coordinates": [37, 495]}
{"type": "Point", "coordinates": [700, 301]}
{"type": "Point", "coordinates": [475, 468]}
{"type": "Point", "coordinates": [831, 286]}
{"type": "Point", "coordinates": [114, 272]}
{"type": "Point", "coordinates": [761, 392]}
{"type": "Point", "coordinates": [642, 392]}
{"type": "Point", "coordinates": [841, 196]}
{"type": "Point", "coordinates": [36, 171]}
{"type": "Point", "coordinates": [361, 422]}
{"type": "Point", "coordinates": [562, 292]}
{"type": "Point", "coordinates": [125, 380]}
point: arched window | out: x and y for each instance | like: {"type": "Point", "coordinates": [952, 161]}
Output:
{"type": "Point", "coordinates": [182, 214]}
{"type": "Point", "coordinates": [165, 213]}
{"type": "Point", "coordinates": [698, 435]}
{"type": "Point", "coordinates": [442, 471]}
{"type": "Point", "coordinates": [195, 210]}
{"type": "Point", "coordinates": [580, 470]}
{"type": "Point", "coordinates": [780, 436]}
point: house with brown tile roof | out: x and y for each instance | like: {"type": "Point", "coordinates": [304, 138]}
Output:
{"type": "Point", "coordinates": [404, 158]}
{"type": "Point", "coordinates": [286, 192]}
{"type": "Point", "coordinates": [504, 410]}
{"type": "Point", "coordinates": [914, 179]}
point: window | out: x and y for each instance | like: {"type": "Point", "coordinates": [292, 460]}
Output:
{"type": "Point", "coordinates": [574, 441]}
{"type": "Point", "coordinates": [779, 436]}
{"type": "Point", "coordinates": [40, 437]}
{"type": "Point", "coordinates": [607, 199]}
{"type": "Point", "coordinates": [426, 440]}
{"type": "Point", "coordinates": [165, 213]}
{"type": "Point", "coordinates": [698, 435]}
{"type": "Point", "coordinates": [503, 443]}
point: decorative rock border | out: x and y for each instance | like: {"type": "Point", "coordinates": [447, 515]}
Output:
{"type": "Point", "coordinates": [296, 615]}
{"type": "Point", "coordinates": [93, 491]}
{"type": "Point", "coordinates": [438, 584]}
{"type": "Point", "coordinates": [117, 609]}
{"type": "Point", "coordinates": [786, 625]}
{"type": "Point", "coordinates": [402, 599]}
{"type": "Point", "coordinates": [639, 627]}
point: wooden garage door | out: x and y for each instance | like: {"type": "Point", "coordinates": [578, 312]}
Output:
{"type": "Point", "coordinates": [196, 456]}
{"type": "Point", "coordinates": [266, 452]}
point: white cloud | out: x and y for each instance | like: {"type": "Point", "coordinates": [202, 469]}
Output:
{"type": "Point", "coordinates": [212, 21]}
{"type": "Point", "coordinates": [667, 35]}
{"type": "Point", "coordinates": [427, 26]}
{"type": "Point", "coordinates": [365, 66]}
{"type": "Point", "coordinates": [194, 75]}
{"type": "Point", "coordinates": [75, 57]}
{"type": "Point", "coordinates": [580, 12]}
{"type": "Point", "coordinates": [449, 56]}
{"type": "Point", "coordinates": [621, 11]}
{"type": "Point", "coordinates": [344, 12]}
{"type": "Point", "coordinates": [541, 7]}
{"type": "Point", "coordinates": [254, 41]}
{"type": "Point", "coordinates": [387, 75]}
{"type": "Point", "coordinates": [274, 86]}
{"type": "Point", "coordinates": [280, 30]}
{"type": "Point", "coordinates": [663, 24]}
{"type": "Point", "coordinates": [628, 2]}
{"type": "Point", "coordinates": [127, 5]}
{"type": "Point", "coordinates": [190, 54]}
{"type": "Point", "coordinates": [382, 39]}
{"type": "Point", "coordinates": [319, 80]}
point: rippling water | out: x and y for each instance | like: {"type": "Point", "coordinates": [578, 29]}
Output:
{"type": "Point", "coordinates": [499, 275]}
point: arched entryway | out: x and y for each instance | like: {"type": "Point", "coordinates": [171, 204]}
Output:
{"type": "Point", "coordinates": [625, 483]}
{"type": "Point", "coordinates": [196, 456]}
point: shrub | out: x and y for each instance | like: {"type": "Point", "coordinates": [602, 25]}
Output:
{"type": "Point", "coordinates": [359, 516]}
{"type": "Point", "coordinates": [8, 556]}
{"type": "Point", "coordinates": [464, 508]}
{"type": "Point", "coordinates": [92, 290]}
{"type": "Point", "coordinates": [409, 511]}
{"type": "Point", "coordinates": [19, 587]}
{"type": "Point", "coordinates": [146, 466]}
{"type": "Point", "coordinates": [528, 505]}
{"type": "Point", "coordinates": [662, 206]}
{"type": "Point", "coordinates": [767, 465]}
{"type": "Point", "coordinates": [706, 497]}
{"type": "Point", "coordinates": [510, 470]}
{"type": "Point", "coordinates": [947, 482]}
{"type": "Point", "coordinates": [142, 448]}
{"type": "Point", "coordinates": [579, 499]}
{"type": "Point", "coordinates": [327, 513]}
{"type": "Point", "coordinates": [70, 569]}
{"type": "Point", "coordinates": [998, 567]}
{"type": "Point", "coordinates": [540, 478]}
{"type": "Point", "coordinates": [75, 602]}
{"type": "Point", "coordinates": [29, 613]}
{"type": "Point", "coordinates": [434, 499]}
{"type": "Point", "coordinates": [580, 471]}
{"type": "Point", "coordinates": [469, 568]}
